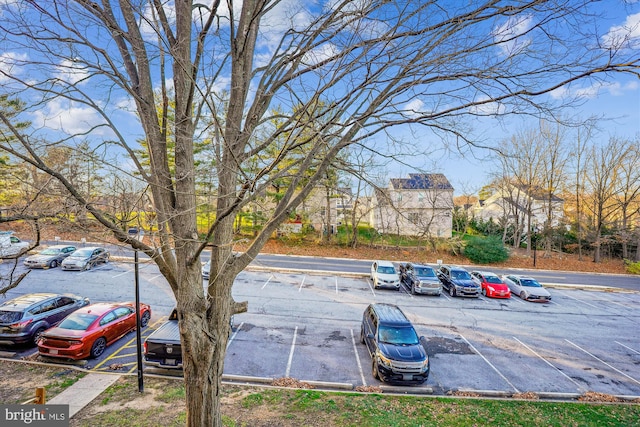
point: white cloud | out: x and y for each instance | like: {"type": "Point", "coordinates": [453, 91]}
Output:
{"type": "Point", "coordinates": [67, 117]}
{"type": "Point", "coordinates": [71, 72]}
{"type": "Point", "coordinates": [11, 64]}
{"type": "Point", "coordinates": [485, 107]}
{"type": "Point", "coordinates": [322, 53]}
{"type": "Point", "coordinates": [413, 108]}
{"type": "Point", "coordinates": [510, 35]}
{"type": "Point", "coordinates": [625, 36]}
{"type": "Point", "coordinates": [590, 92]}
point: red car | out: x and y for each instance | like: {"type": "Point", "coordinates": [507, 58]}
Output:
{"type": "Point", "coordinates": [492, 284]}
{"type": "Point", "coordinates": [88, 331]}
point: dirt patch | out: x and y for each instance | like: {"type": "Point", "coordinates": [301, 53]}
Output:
{"type": "Point", "coordinates": [592, 396]}
{"type": "Point", "coordinates": [291, 383]}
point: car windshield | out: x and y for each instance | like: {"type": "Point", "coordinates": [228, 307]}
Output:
{"type": "Point", "coordinates": [50, 251]}
{"type": "Point", "coordinates": [425, 272]}
{"type": "Point", "coordinates": [397, 336]}
{"type": "Point", "coordinates": [82, 253]}
{"type": "Point", "coordinates": [10, 316]}
{"type": "Point", "coordinates": [386, 270]}
{"type": "Point", "coordinates": [493, 279]}
{"type": "Point", "coordinates": [78, 321]}
{"type": "Point", "coordinates": [530, 282]}
{"type": "Point", "coordinates": [459, 274]}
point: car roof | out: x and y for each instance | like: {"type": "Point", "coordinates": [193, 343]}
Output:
{"type": "Point", "coordinates": [486, 273]}
{"type": "Point", "coordinates": [91, 248]}
{"type": "Point", "coordinates": [101, 308]}
{"type": "Point", "coordinates": [390, 314]}
{"type": "Point", "coordinates": [385, 263]}
{"type": "Point", "coordinates": [27, 300]}
{"type": "Point", "coordinates": [420, 265]}
{"type": "Point", "coordinates": [59, 247]}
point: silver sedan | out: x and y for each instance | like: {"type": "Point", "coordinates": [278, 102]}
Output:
{"type": "Point", "coordinates": [527, 288]}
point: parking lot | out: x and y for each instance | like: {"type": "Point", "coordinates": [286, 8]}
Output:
{"type": "Point", "coordinates": [308, 327]}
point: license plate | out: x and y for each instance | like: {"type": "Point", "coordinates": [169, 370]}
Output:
{"type": "Point", "coordinates": [171, 362]}
{"type": "Point", "coordinates": [53, 351]}
{"type": "Point", "coordinates": [407, 377]}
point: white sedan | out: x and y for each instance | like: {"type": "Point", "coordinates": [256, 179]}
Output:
{"type": "Point", "coordinates": [527, 288]}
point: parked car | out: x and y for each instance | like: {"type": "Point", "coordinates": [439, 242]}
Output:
{"type": "Point", "coordinates": [205, 270]}
{"type": "Point", "coordinates": [24, 318]}
{"type": "Point", "coordinates": [398, 355]}
{"type": "Point", "coordinates": [384, 275]}
{"type": "Point", "coordinates": [50, 257]}
{"type": "Point", "coordinates": [458, 282]}
{"type": "Point", "coordinates": [527, 288]}
{"type": "Point", "coordinates": [491, 284]}
{"type": "Point", "coordinates": [421, 279]}
{"type": "Point", "coordinates": [11, 245]}
{"type": "Point", "coordinates": [88, 331]}
{"type": "Point", "coordinates": [162, 347]}
{"type": "Point", "coordinates": [85, 258]}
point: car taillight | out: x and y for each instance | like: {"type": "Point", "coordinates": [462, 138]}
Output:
{"type": "Point", "coordinates": [144, 347]}
{"type": "Point", "coordinates": [21, 325]}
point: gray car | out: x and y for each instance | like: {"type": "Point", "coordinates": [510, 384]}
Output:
{"type": "Point", "coordinates": [420, 279]}
{"type": "Point", "coordinates": [50, 257]}
{"type": "Point", "coordinates": [85, 258]}
{"type": "Point", "coordinates": [24, 318]}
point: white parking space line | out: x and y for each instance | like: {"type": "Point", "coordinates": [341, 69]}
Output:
{"type": "Point", "coordinates": [355, 351]}
{"type": "Point", "coordinates": [490, 364]}
{"type": "Point", "coordinates": [603, 362]}
{"type": "Point", "coordinates": [483, 299]}
{"type": "Point", "coordinates": [444, 294]}
{"type": "Point", "coordinates": [517, 299]}
{"type": "Point", "coordinates": [293, 347]}
{"type": "Point", "coordinates": [267, 282]}
{"type": "Point", "coordinates": [628, 348]}
{"type": "Point", "coordinates": [302, 283]}
{"type": "Point", "coordinates": [336, 285]}
{"type": "Point", "coordinates": [157, 276]}
{"type": "Point", "coordinates": [579, 300]}
{"type": "Point", "coordinates": [579, 387]}
{"type": "Point", "coordinates": [234, 334]}
{"type": "Point", "coordinates": [371, 287]}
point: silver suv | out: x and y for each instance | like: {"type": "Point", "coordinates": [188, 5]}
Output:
{"type": "Point", "coordinates": [24, 318]}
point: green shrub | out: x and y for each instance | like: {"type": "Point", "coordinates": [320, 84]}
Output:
{"type": "Point", "coordinates": [632, 267]}
{"type": "Point", "coordinates": [485, 250]}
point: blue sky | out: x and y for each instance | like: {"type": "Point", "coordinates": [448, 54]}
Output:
{"type": "Point", "coordinates": [616, 100]}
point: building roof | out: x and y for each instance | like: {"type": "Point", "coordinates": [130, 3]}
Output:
{"type": "Point", "coordinates": [422, 181]}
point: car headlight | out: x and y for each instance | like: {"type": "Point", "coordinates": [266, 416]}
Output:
{"type": "Point", "coordinates": [385, 361]}
{"type": "Point", "coordinates": [491, 288]}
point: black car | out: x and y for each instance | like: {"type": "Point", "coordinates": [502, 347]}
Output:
{"type": "Point", "coordinates": [420, 279]}
{"type": "Point", "coordinates": [398, 355]}
{"type": "Point", "coordinates": [162, 348]}
{"type": "Point", "coordinates": [24, 318]}
{"type": "Point", "coordinates": [458, 281]}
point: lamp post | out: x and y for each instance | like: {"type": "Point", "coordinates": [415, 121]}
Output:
{"type": "Point", "coordinates": [138, 235]}
{"type": "Point", "coordinates": [534, 242]}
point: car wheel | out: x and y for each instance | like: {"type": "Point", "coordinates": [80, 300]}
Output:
{"type": "Point", "coordinates": [37, 334]}
{"type": "Point", "coordinates": [452, 291]}
{"type": "Point", "coordinates": [484, 292]}
{"type": "Point", "coordinates": [87, 266]}
{"type": "Point", "coordinates": [374, 369]}
{"type": "Point", "coordinates": [53, 264]}
{"type": "Point", "coordinates": [523, 295]}
{"type": "Point", "coordinates": [98, 347]}
{"type": "Point", "coordinates": [144, 319]}
{"type": "Point", "coordinates": [362, 334]}
{"type": "Point", "coordinates": [413, 289]}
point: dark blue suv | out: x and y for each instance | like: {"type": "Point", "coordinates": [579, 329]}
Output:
{"type": "Point", "coordinates": [458, 281]}
{"type": "Point", "coordinates": [398, 355]}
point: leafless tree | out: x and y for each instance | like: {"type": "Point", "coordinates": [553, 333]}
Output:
{"type": "Point", "coordinates": [629, 196]}
{"type": "Point", "coordinates": [376, 64]}
{"type": "Point", "coordinates": [603, 186]}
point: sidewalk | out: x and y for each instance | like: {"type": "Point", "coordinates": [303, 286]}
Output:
{"type": "Point", "coordinates": [84, 391]}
